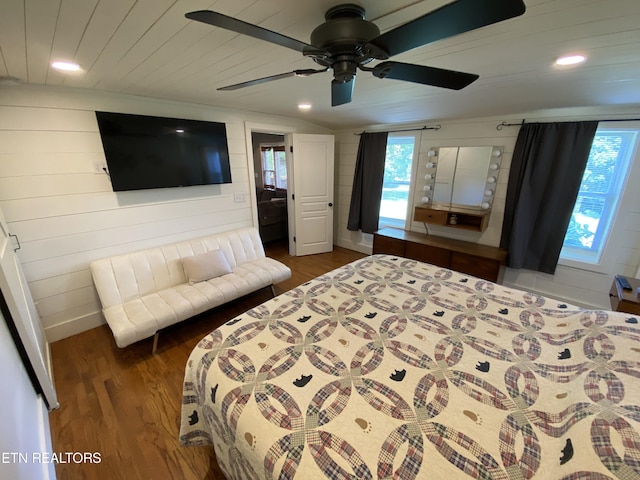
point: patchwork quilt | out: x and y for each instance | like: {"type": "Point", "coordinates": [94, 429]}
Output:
{"type": "Point", "coordinates": [393, 368]}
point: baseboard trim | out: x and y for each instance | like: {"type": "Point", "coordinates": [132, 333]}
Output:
{"type": "Point", "coordinates": [358, 247]}
{"type": "Point", "coordinates": [74, 326]}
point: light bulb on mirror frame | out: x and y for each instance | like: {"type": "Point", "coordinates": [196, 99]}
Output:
{"type": "Point", "coordinates": [426, 188]}
{"type": "Point", "coordinates": [497, 153]}
{"type": "Point", "coordinates": [425, 199]}
{"type": "Point", "coordinates": [432, 153]}
{"type": "Point", "coordinates": [491, 180]}
{"type": "Point", "coordinates": [488, 192]}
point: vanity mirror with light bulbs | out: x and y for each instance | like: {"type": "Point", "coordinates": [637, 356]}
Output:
{"type": "Point", "coordinates": [457, 186]}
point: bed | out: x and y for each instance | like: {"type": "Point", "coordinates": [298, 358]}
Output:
{"type": "Point", "coordinates": [392, 368]}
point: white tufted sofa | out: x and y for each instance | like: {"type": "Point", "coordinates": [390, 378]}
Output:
{"type": "Point", "coordinates": [145, 291]}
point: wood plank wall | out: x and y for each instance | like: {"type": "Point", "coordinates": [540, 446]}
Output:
{"type": "Point", "coordinates": [65, 214]}
{"type": "Point", "coordinates": [585, 288]}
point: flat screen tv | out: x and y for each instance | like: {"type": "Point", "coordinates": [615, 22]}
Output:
{"type": "Point", "coordinates": [155, 152]}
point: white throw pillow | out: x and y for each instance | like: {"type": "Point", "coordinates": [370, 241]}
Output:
{"type": "Point", "coordinates": [205, 266]}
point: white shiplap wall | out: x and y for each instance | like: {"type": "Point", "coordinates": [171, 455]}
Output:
{"type": "Point", "coordinates": [458, 133]}
{"type": "Point", "coordinates": [586, 288]}
{"type": "Point", "coordinates": [66, 215]}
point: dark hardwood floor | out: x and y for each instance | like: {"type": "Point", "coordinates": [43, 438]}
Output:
{"type": "Point", "coordinates": [125, 403]}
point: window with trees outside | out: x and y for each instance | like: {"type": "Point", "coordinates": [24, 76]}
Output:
{"type": "Point", "coordinates": [274, 166]}
{"type": "Point", "coordinates": [603, 183]}
{"type": "Point", "coordinates": [396, 184]}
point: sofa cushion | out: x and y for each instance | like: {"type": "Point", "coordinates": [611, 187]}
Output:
{"type": "Point", "coordinates": [205, 266]}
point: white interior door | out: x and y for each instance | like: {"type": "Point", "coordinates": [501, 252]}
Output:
{"type": "Point", "coordinates": [24, 316]}
{"type": "Point", "coordinates": [313, 158]}
{"type": "Point", "coordinates": [23, 416]}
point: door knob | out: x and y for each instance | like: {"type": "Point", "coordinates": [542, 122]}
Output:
{"type": "Point", "coordinates": [330, 204]}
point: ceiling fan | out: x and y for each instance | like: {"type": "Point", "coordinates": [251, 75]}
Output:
{"type": "Point", "coordinates": [347, 42]}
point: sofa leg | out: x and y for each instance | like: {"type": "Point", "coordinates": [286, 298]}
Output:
{"type": "Point", "coordinates": [273, 290]}
{"type": "Point", "coordinates": [155, 342]}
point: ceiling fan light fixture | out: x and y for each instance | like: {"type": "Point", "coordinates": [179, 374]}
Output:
{"type": "Point", "coordinates": [304, 106]}
{"type": "Point", "coordinates": [573, 59]}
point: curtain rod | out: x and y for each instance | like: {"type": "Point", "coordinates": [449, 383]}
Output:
{"type": "Point", "coordinates": [436, 127]}
{"type": "Point", "coordinates": [505, 124]}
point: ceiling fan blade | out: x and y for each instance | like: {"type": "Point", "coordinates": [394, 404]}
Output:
{"type": "Point", "coordinates": [341, 92]}
{"type": "Point", "coordinates": [238, 26]}
{"type": "Point", "coordinates": [258, 81]}
{"type": "Point", "coordinates": [438, 77]}
{"type": "Point", "coordinates": [458, 17]}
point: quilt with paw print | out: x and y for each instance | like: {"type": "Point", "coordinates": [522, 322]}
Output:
{"type": "Point", "coordinates": [392, 368]}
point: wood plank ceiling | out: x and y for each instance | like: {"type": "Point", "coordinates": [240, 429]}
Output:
{"type": "Point", "coordinates": [147, 47]}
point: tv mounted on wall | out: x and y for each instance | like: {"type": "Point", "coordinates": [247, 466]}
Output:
{"type": "Point", "coordinates": [155, 152]}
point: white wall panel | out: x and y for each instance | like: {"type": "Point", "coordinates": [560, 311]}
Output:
{"type": "Point", "coordinates": [39, 208]}
{"type": "Point", "coordinates": [12, 188]}
{"type": "Point", "coordinates": [21, 141]}
{"type": "Point", "coordinates": [48, 119]}
{"type": "Point", "coordinates": [66, 215]}
{"type": "Point", "coordinates": [61, 284]}
{"type": "Point", "coordinates": [56, 304]}
{"type": "Point", "coordinates": [37, 250]}
{"type": "Point", "coordinates": [47, 163]}
{"type": "Point", "coordinates": [96, 220]}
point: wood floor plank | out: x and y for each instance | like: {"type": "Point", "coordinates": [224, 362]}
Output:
{"type": "Point", "coordinates": [124, 404]}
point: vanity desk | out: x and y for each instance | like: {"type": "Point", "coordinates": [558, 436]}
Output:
{"type": "Point", "coordinates": [474, 259]}
{"type": "Point", "coordinates": [455, 189]}
{"type": "Point", "coordinates": [445, 216]}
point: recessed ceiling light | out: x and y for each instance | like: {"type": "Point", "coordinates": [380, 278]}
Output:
{"type": "Point", "coordinates": [570, 60]}
{"type": "Point", "coordinates": [66, 66]}
{"type": "Point", "coordinates": [304, 106]}
{"type": "Point", "coordinates": [179, 130]}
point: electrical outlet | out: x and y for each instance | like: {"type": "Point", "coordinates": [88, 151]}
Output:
{"type": "Point", "coordinates": [99, 167]}
{"type": "Point", "coordinates": [239, 198]}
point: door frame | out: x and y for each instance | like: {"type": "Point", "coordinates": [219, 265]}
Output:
{"type": "Point", "coordinates": [273, 129]}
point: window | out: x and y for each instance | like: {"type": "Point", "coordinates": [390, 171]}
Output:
{"type": "Point", "coordinates": [602, 186]}
{"type": "Point", "coordinates": [397, 180]}
{"type": "Point", "coordinates": [274, 166]}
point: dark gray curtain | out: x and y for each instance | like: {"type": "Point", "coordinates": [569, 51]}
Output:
{"type": "Point", "coordinates": [367, 182]}
{"type": "Point", "coordinates": [544, 180]}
